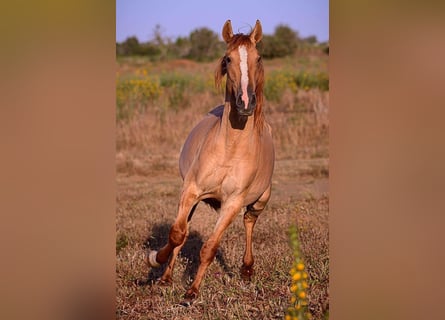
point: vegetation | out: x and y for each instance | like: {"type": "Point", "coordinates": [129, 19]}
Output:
{"type": "Point", "coordinates": [298, 309]}
{"type": "Point", "coordinates": [173, 90]}
{"type": "Point", "coordinates": [158, 103]}
{"type": "Point", "coordinates": [203, 44]}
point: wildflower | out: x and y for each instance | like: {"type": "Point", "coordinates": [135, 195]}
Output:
{"type": "Point", "coordinates": [298, 301]}
{"type": "Point", "coordinates": [296, 276]}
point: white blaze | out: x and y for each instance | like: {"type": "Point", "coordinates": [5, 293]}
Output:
{"type": "Point", "coordinates": [244, 75]}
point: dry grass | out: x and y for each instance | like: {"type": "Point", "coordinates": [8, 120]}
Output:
{"type": "Point", "coordinates": [148, 185]}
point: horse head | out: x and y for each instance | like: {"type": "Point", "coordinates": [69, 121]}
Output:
{"type": "Point", "coordinates": [244, 69]}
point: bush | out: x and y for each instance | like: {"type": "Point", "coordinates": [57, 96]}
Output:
{"type": "Point", "coordinates": [132, 95]}
{"type": "Point", "coordinates": [205, 45]}
{"type": "Point", "coordinates": [279, 81]}
{"type": "Point", "coordinates": [284, 42]}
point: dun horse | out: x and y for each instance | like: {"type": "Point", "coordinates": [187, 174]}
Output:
{"type": "Point", "coordinates": [227, 160]}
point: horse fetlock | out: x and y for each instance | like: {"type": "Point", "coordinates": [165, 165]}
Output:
{"type": "Point", "coordinates": [151, 259]}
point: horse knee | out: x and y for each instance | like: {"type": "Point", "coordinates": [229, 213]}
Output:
{"type": "Point", "coordinates": [177, 235]}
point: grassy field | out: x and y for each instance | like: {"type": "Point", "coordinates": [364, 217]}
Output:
{"type": "Point", "coordinates": [157, 105]}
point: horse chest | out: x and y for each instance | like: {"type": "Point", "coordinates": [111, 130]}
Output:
{"type": "Point", "coordinates": [224, 180]}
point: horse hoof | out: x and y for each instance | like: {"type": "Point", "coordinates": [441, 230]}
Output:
{"type": "Point", "coordinates": [189, 297]}
{"type": "Point", "coordinates": [164, 282]}
{"type": "Point", "coordinates": [151, 259]}
{"type": "Point", "coordinates": [186, 303]}
{"type": "Point", "coordinates": [141, 282]}
{"type": "Point", "coordinates": [247, 273]}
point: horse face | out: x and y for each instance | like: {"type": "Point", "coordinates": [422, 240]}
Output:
{"type": "Point", "coordinates": [243, 67]}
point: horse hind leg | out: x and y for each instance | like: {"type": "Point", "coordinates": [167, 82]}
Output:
{"type": "Point", "coordinates": [250, 217]}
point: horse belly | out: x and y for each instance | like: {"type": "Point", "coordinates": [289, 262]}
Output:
{"type": "Point", "coordinates": [264, 171]}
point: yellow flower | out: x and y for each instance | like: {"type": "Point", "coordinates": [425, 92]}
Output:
{"type": "Point", "coordinates": [304, 275]}
{"type": "Point", "coordinates": [293, 299]}
{"type": "Point", "coordinates": [305, 285]}
{"type": "Point", "coordinates": [288, 317]}
{"type": "Point", "coordinates": [292, 271]}
{"type": "Point", "coordinates": [302, 295]}
{"type": "Point", "coordinates": [300, 266]}
{"type": "Point", "coordinates": [294, 288]}
{"type": "Point", "coordinates": [296, 276]}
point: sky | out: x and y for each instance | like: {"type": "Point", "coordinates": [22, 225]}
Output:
{"type": "Point", "coordinates": [180, 17]}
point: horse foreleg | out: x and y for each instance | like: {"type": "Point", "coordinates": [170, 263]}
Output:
{"type": "Point", "coordinates": [178, 231]}
{"type": "Point", "coordinates": [250, 217]}
{"type": "Point", "coordinates": [167, 276]}
{"type": "Point", "coordinates": [208, 250]}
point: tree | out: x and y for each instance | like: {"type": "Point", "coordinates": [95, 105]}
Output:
{"type": "Point", "coordinates": [205, 45]}
{"type": "Point", "coordinates": [180, 48]}
{"type": "Point", "coordinates": [311, 40]}
{"type": "Point", "coordinates": [130, 46]}
{"type": "Point", "coordinates": [283, 42]}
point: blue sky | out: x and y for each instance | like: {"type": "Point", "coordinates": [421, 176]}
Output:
{"type": "Point", "coordinates": [178, 18]}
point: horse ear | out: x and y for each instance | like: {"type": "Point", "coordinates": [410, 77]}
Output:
{"type": "Point", "coordinates": [257, 33]}
{"type": "Point", "coordinates": [227, 32]}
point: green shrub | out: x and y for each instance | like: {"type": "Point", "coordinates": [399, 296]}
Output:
{"type": "Point", "coordinates": [279, 81]}
{"type": "Point", "coordinates": [306, 80]}
{"type": "Point", "coordinates": [205, 45]}
{"type": "Point", "coordinates": [282, 43]}
{"type": "Point", "coordinates": [132, 95]}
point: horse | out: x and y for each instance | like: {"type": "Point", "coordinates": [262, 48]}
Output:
{"type": "Point", "coordinates": [227, 160]}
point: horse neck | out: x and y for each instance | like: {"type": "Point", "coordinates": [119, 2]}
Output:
{"type": "Point", "coordinates": [234, 134]}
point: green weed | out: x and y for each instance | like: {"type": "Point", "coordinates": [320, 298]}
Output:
{"type": "Point", "coordinates": [279, 81]}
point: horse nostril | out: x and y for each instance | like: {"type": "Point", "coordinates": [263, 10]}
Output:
{"type": "Point", "coordinates": [253, 100]}
{"type": "Point", "coordinates": [239, 100]}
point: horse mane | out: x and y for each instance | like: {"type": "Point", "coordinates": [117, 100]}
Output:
{"type": "Point", "coordinates": [244, 40]}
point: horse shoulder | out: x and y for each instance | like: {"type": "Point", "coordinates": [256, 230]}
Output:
{"type": "Point", "coordinates": [196, 139]}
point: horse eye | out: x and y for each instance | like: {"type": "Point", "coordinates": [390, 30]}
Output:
{"type": "Point", "coordinates": [228, 60]}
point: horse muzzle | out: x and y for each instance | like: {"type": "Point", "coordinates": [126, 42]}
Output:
{"type": "Point", "coordinates": [241, 105]}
